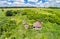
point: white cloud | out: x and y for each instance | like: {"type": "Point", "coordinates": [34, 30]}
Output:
{"type": "Point", "coordinates": [19, 0]}
{"type": "Point", "coordinates": [28, 4]}
{"type": "Point", "coordinates": [50, 0]}
{"type": "Point", "coordinates": [37, 4]}
{"type": "Point", "coordinates": [32, 0]}
{"type": "Point", "coordinates": [46, 4]}
{"type": "Point", "coordinates": [3, 3]}
{"type": "Point", "coordinates": [15, 3]}
{"type": "Point", "coordinates": [18, 4]}
{"type": "Point", "coordinates": [40, 4]}
{"type": "Point", "coordinates": [57, 1]}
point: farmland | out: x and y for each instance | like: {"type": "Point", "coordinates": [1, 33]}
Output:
{"type": "Point", "coordinates": [11, 26]}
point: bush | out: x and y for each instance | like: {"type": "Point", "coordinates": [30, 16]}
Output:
{"type": "Point", "coordinates": [13, 38]}
{"type": "Point", "coordinates": [7, 25]}
{"type": "Point", "coordinates": [54, 19]}
{"type": "Point", "coordinates": [18, 11]}
{"type": "Point", "coordinates": [8, 34]}
{"type": "Point", "coordinates": [15, 12]}
{"type": "Point", "coordinates": [9, 13]}
{"type": "Point", "coordinates": [11, 25]}
{"type": "Point", "coordinates": [23, 13]}
{"type": "Point", "coordinates": [3, 10]}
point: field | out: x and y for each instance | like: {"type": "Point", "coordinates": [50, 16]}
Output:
{"type": "Point", "coordinates": [11, 26]}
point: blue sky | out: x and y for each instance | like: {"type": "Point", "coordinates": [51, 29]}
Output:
{"type": "Point", "coordinates": [36, 3]}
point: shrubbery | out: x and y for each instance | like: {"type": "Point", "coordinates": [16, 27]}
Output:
{"type": "Point", "coordinates": [7, 25]}
{"type": "Point", "coordinates": [12, 28]}
{"type": "Point", "coordinates": [3, 10]}
{"type": "Point", "coordinates": [11, 13]}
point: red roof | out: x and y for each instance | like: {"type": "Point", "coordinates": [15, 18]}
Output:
{"type": "Point", "coordinates": [38, 24]}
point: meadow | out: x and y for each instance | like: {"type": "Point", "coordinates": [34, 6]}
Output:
{"type": "Point", "coordinates": [11, 26]}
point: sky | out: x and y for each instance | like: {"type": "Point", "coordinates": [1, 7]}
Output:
{"type": "Point", "coordinates": [29, 3]}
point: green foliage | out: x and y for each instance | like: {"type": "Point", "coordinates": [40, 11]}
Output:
{"type": "Point", "coordinates": [11, 12]}
{"type": "Point", "coordinates": [7, 25]}
{"type": "Point", "coordinates": [3, 10]}
{"type": "Point", "coordinates": [12, 27]}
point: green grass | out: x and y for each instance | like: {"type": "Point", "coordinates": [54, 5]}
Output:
{"type": "Point", "coordinates": [15, 29]}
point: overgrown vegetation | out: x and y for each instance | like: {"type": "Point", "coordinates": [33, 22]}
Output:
{"type": "Point", "coordinates": [11, 26]}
